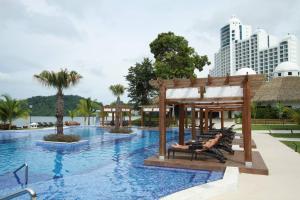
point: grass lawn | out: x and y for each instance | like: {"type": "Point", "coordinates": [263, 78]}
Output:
{"type": "Point", "coordinates": [275, 127]}
{"type": "Point", "coordinates": [292, 145]}
{"type": "Point", "coordinates": [282, 135]}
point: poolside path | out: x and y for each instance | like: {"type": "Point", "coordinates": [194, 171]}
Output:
{"type": "Point", "coordinates": [289, 139]}
{"type": "Point", "coordinates": [284, 170]}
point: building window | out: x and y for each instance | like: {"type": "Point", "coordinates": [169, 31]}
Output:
{"type": "Point", "coordinates": [290, 73]}
{"type": "Point", "coordinates": [279, 74]}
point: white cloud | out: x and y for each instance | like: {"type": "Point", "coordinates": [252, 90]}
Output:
{"type": "Point", "coordinates": [102, 39]}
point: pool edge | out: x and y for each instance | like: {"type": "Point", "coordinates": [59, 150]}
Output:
{"type": "Point", "coordinates": [209, 190]}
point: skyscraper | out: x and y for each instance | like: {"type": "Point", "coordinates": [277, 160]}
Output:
{"type": "Point", "coordinates": [239, 48]}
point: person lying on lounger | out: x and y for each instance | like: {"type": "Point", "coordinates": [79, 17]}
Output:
{"type": "Point", "coordinates": [203, 145]}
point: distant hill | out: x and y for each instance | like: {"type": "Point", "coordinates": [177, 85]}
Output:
{"type": "Point", "coordinates": [45, 105]}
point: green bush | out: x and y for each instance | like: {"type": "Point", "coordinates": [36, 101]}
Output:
{"type": "Point", "coordinates": [266, 113]}
{"type": "Point", "coordinates": [62, 138]}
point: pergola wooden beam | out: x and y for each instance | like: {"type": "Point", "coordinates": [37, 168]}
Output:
{"type": "Point", "coordinates": [211, 81]}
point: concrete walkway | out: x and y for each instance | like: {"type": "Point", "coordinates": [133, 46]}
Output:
{"type": "Point", "coordinates": [289, 139]}
{"type": "Point", "coordinates": [284, 178]}
{"type": "Point", "coordinates": [272, 131]}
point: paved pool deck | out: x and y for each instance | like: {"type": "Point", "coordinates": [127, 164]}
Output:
{"type": "Point", "coordinates": [284, 174]}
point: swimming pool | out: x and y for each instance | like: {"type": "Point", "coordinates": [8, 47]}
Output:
{"type": "Point", "coordinates": [109, 167]}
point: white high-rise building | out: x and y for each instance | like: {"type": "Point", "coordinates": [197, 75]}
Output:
{"type": "Point", "coordinates": [258, 51]}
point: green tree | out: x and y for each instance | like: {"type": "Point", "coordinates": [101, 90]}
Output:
{"type": "Point", "coordinates": [117, 90]}
{"type": "Point", "coordinates": [174, 58]}
{"type": "Point", "coordinates": [87, 108]}
{"type": "Point", "coordinates": [11, 109]}
{"type": "Point", "coordinates": [280, 109]}
{"type": "Point", "coordinates": [72, 114]}
{"type": "Point", "coordinates": [254, 109]}
{"type": "Point", "coordinates": [140, 91]}
{"type": "Point", "coordinates": [59, 80]}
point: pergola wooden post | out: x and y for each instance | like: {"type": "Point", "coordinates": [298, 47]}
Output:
{"type": "Point", "coordinates": [222, 119]}
{"type": "Point", "coordinates": [121, 117]}
{"type": "Point", "coordinates": [206, 120]}
{"type": "Point", "coordinates": [181, 124]}
{"type": "Point", "coordinates": [246, 127]}
{"type": "Point", "coordinates": [210, 120]}
{"type": "Point", "coordinates": [162, 121]}
{"type": "Point", "coordinates": [193, 123]}
{"type": "Point", "coordinates": [201, 120]}
{"type": "Point", "coordinates": [142, 117]}
{"type": "Point", "coordinates": [186, 118]}
{"type": "Point", "coordinates": [102, 119]}
{"type": "Point", "coordinates": [129, 115]}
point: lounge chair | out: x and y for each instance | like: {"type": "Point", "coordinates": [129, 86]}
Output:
{"type": "Point", "coordinates": [225, 142]}
{"type": "Point", "coordinates": [207, 148]}
{"type": "Point", "coordinates": [40, 125]}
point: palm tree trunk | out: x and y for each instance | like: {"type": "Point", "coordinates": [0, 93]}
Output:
{"type": "Point", "coordinates": [9, 124]}
{"type": "Point", "coordinates": [88, 120]}
{"type": "Point", "coordinates": [59, 112]}
{"type": "Point", "coordinates": [118, 114]}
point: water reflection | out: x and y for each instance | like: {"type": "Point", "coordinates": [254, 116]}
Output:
{"type": "Point", "coordinates": [58, 165]}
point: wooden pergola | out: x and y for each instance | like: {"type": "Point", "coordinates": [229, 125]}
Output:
{"type": "Point", "coordinates": [113, 109]}
{"type": "Point", "coordinates": [152, 109]}
{"type": "Point", "coordinates": [212, 94]}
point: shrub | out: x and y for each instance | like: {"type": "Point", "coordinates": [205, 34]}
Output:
{"type": "Point", "coordinates": [62, 138]}
{"type": "Point", "coordinates": [120, 130]}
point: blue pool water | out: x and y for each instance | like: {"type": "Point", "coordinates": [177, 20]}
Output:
{"type": "Point", "coordinates": [109, 167]}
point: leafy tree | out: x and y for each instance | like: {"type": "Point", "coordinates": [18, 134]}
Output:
{"type": "Point", "coordinates": [117, 90]}
{"type": "Point", "coordinates": [87, 108]}
{"type": "Point", "coordinates": [140, 91]}
{"type": "Point", "coordinates": [11, 109]}
{"type": "Point", "coordinates": [174, 58]}
{"type": "Point", "coordinates": [254, 109]}
{"type": "Point", "coordinates": [280, 109]}
{"type": "Point", "coordinates": [59, 80]}
{"type": "Point", "coordinates": [72, 114]}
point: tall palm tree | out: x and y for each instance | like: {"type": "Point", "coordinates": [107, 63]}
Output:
{"type": "Point", "coordinates": [117, 90]}
{"type": "Point", "coordinates": [72, 114]}
{"type": "Point", "coordinates": [60, 80]}
{"type": "Point", "coordinates": [11, 109]}
{"type": "Point", "coordinates": [87, 108]}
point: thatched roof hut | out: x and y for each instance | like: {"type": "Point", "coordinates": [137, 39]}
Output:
{"type": "Point", "coordinates": [283, 89]}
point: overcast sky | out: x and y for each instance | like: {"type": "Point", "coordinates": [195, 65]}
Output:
{"type": "Point", "coordinates": [102, 39]}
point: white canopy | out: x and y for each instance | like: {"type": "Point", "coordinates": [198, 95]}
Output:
{"type": "Point", "coordinates": [211, 92]}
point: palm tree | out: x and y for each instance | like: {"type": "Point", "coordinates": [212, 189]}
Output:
{"type": "Point", "coordinates": [117, 91]}
{"type": "Point", "coordinates": [59, 80]}
{"type": "Point", "coordinates": [87, 108]}
{"type": "Point", "coordinates": [72, 114]}
{"type": "Point", "coordinates": [11, 109]}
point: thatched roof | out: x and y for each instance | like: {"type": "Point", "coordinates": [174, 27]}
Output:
{"type": "Point", "coordinates": [279, 89]}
